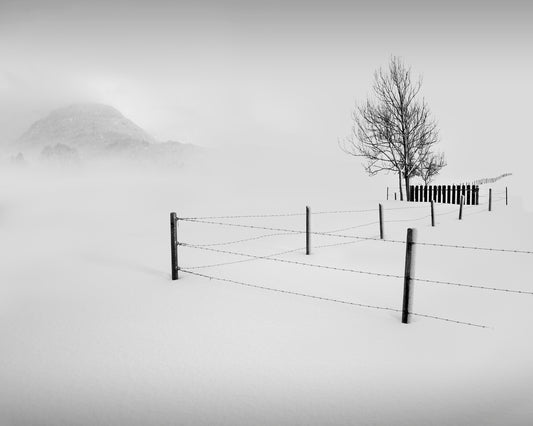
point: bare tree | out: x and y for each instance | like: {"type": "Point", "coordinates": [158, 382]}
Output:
{"type": "Point", "coordinates": [373, 138]}
{"type": "Point", "coordinates": [431, 167]}
{"type": "Point", "coordinates": [395, 130]}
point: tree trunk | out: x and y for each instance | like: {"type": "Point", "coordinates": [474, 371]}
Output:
{"type": "Point", "coordinates": [407, 192]}
{"type": "Point", "coordinates": [400, 185]}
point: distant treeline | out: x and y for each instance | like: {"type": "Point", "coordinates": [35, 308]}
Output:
{"type": "Point", "coordinates": [490, 180]}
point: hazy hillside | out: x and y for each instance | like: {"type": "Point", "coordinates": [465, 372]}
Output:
{"type": "Point", "coordinates": [95, 131]}
{"type": "Point", "coordinates": [84, 126]}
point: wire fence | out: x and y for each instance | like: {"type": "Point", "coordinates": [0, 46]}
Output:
{"type": "Point", "coordinates": [327, 299]}
{"type": "Point", "coordinates": [292, 262]}
{"type": "Point", "coordinates": [292, 214]}
{"type": "Point", "coordinates": [335, 233]}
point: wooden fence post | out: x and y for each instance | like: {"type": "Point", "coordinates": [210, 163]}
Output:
{"type": "Point", "coordinates": [452, 199]}
{"type": "Point", "coordinates": [307, 230]}
{"type": "Point", "coordinates": [448, 195]}
{"type": "Point", "coordinates": [407, 276]}
{"type": "Point", "coordinates": [432, 214]}
{"type": "Point", "coordinates": [395, 196]}
{"type": "Point", "coordinates": [425, 192]}
{"type": "Point", "coordinates": [490, 199]}
{"type": "Point", "coordinates": [506, 197]}
{"type": "Point", "coordinates": [174, 245]}
{"type": "Point", "coordinates": [461, 207]}
{"type": "Point", "coordinates": [387, 193]}
{"type": "Point", "coordinates": [380, 222]}
{"type": "Point", "coordinates": [468, 194]}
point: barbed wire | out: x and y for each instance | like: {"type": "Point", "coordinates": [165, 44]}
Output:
{"type": "Point", "coordinates": [413, 207]}
{"type": "Point", "coordinates": [327, 299]}
{"type": "Point", "coordinates": [479, 287]}
{"type": "Point", "coordinates": [270, 255]}
{"type": "Point", "coordinates": [294, 293]}
{"type": "Point", "coordinates": [290, 214]}
{"type": "Point", "coordinates": [343, 211]}
{"type": "Point", "coordinates": [352, 227]}
{"type": "Point", "coordinates": [294, 262]}
{"type": "Point", "coordinates": [328, 234]}
{"type": "Point", "coordinates": [212, 265]}
{"type": "Point", "coordinates": [407, 220]}
{"type": "Point", "coordinates": [244, 239]}
{"type": "Point", "coordinates": [336, 244]}
{"type": "Point", "coordinates": [241, 225]}
{"type": "Point", "coordinates": [421, 243]}
{"type": "Point", "coordinates": [448, 320]}
{"type": "Point", "coordinates": [243, 216]}
{"type": "Point", "coordinates": [278, 234]}
{"type": "Point", "coordinates": [358, 237]}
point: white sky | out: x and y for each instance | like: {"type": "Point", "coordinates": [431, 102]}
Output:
{"type": "Point", "coordinates": [273, 73]}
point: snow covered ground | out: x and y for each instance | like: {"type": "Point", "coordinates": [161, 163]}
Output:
{"type": "Point", "coordinates": [95, 332]}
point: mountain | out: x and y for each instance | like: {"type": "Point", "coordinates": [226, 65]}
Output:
{"type": "Point", "coordinates": [96, 131]}
{"type": "Point", "coordinates": [87, 128]}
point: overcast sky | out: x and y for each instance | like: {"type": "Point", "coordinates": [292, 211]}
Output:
{"type": "Point", "coordinates": [275, 73]}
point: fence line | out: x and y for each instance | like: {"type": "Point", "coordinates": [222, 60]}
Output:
{"type": "Point", "coordinates": [473, 247]}
{"type": "Point", "coordinates": [327, 299]}
{"type": "Point", "coordinates": [363, 305]}
{"type": "Point", "coordinates": [212, 265]}
{"type": "Point", "coordinates": [475, 286]}
{"type": "Point", "coordinates": [335, 233]}
{"type": "Point", "coordinates": [292, 214]}
{"type": "Point", "coordinates": [353, 227]}
{"type": "Point", "coordinates": [490, 180]}
{"type": "Point", "coordinates": [329, 234]}
{"type": "Point", "coordinates": [448, 320]}
{"type": "Point", "coordinates": [244, 239]}
{"type": "Point", "coordinates": [271, 258]}
{"type": "Point", "coordinates": [294, 262]}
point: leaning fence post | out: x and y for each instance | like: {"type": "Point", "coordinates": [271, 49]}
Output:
{"type": "Point", "coordinates": [506, 197]}
{"type": "Point", "coordinates": [461, 207]}
{"type": "Point", "coordinates": [490, 199]}
{"type": "Point", "coordinates": [432, 213]}
{"type": "Point", "coordinates": [380, 222]}
{"type": "Point", "coordinates": [174, 245]}
{"type": "Point", "coordinates": [307, 230]}
{"type": "Point", "coordinates": [407, 276]}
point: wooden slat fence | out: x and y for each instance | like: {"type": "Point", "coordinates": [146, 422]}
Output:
{"type": "Point", "coordinates": [447, 194]}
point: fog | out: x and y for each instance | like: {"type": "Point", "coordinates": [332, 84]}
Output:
{"type": "Point", "coordinates": [94, 331]}
{"type": "Point", "coordinates": [276, 74]}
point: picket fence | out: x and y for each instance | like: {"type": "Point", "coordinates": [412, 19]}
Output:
{"type": "Point", "coordinates": [448, 194]}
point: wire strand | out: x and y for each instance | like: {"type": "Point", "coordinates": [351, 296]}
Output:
{"type": "Point", "coordinates": [448, 320]}
{"type": "Point", "coordinates": [294, 293]}
{"type": "Point", "coordinates": [244, 239]}
{"type": "Point", "coordinates": [327, 299]}
{"type": "Point", "coordinates": [294, 262]}
{"type": "Point", "coordinates": [479, 287]}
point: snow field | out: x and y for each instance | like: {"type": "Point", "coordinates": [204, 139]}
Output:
{"type": "Point", "coordinates": [95, 332]}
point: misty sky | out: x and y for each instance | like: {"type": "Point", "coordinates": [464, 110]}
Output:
{"type": "Point", "coordinates": [275, 73]}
